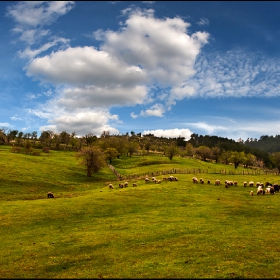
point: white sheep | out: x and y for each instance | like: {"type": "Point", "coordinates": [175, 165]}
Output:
{"type": "Point", "coordinates": [260, 191]}
{"type": "Point", "coordinates": [217, 182]}
{"type": "Point", "coordinates": [245, 184]}
{"type": "Point", "coordinates": [251, 184]}
{"type": "Point", "coordinates": [147, 180]}
{"type": "Point", "coordinates": [134, 185]}
{"type": "Point", "coordinates": [251, 193]}
{"type": "Point", "coordinates": [195, 180]}
{"type": "Point", "coordinates": [111, 186]}
{"type": "Point", "coordinates": [125, 184]}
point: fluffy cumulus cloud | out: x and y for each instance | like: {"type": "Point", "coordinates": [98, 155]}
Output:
{"type": "Point", "coordinates": [144, 52]}
{"type": "Point", "coordinates": [170, 133]}
{"type": "Point", "coordinates": [81, 121]}
{"type": "Point", "coordinates": [156, 110]}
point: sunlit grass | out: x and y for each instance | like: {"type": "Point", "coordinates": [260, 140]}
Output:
{"type": "Point", "coordinates": [168, 230]}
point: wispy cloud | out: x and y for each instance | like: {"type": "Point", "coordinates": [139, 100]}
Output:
{"type": "Point", "coordinates": [236, 74]}
{"type": "Point", "coordinates": [203, 21]}
{"type": "Point", "coordinates": [30, 18]}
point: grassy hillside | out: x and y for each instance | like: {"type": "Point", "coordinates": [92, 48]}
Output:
{"type": "Point", "coordinates": [168, 230]}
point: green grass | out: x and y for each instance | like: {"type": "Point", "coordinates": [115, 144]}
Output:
{"type": "Point", "coordinates": [168, 230]}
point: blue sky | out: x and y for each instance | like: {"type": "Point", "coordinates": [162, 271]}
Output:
{"type": "Point", "coordinates": [167, 68]}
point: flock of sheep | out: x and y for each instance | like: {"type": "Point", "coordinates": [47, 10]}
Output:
{"type": "Point", "coordinates": [262, 189]}
{"type": "Point", "coordinates": [147, 180]}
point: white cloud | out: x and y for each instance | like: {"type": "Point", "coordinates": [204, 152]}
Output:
{"type": "Point", "coordinates": [235, 74]}
{"type": "Point", "coordinates": [203, 21]}
{"type": "Point", "coordinates": [133, 115]}
{"type": "Point", "coordinates": [38, 13]}
{"type": "Point", "coordinates": [209, 129]}
{"type": "Point", "coordinates": [28, 53]}
{"type": "Point", "coordinates": [144, 52]}
{"type": "Point", "coordinates": [170, 133]}
{"type": "Point", "coordinates": [5, 124]}
{"type": "Point", "coordinates": [15, 118]}
{"type": "Point", "coordinates": [82, 121]}
{"type": "Point", "coordinates": [156, 110]}
{"type": "Point", "coordinates": [161, 46]}
{"type": "Point", "coordinates": [31, 16]}
{"type": "Point", "coordinates": [83, 66]}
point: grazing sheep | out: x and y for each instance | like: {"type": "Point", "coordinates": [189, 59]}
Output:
{"type": "Point", "coordinates": [201, 181]}
{"type": "Point", "coordinates": [251, 193]}
{"type": "Point", "coordinates": [276, 187]}
{"type": "Point", "coordinates": [175, 179]}
{"type": "Point", "coordinates": [208, 182]}
{"type": "Point", "coordinates": [217, 182]}
{"type": "Point", "coordinates": [267, 184]}
{"type": "Point", "coordinates": [154, 179]}
{"type": "Point", "coordinates": [260, 191]}
{"type": "Point", "coordinates": [134, 185]}
{"type": "Point", "coordinates": [125, 184]}
{"type": "Point", "coordinates": [267, 190]}
{"type": "Point", "coordinates": [194, 179]}
{"type": "Point", "coordinates": [50, 195]}
{"type": "Point", "coordinates": [245, 184]}
{"type": "Point", "coordinates": [171, 178]}
{"type": "Point", "coordinates": [272, 191]}
{"type": "Point", "coordinates": [228, 183]}
{"type": "Point", "coordinates": [120, 185]}
{"type": "Point", "coordinates": [235, 183]}
{"type": "Point", "coordinates": [158, 181]}
{"type": "Point", "coordinates": [258, 184]}
{"type": "Point", "coordinates": [147, 180]}
{"type": "Point", "coordinates": [111, 186]}
{"type": "Point", "coordinates": [251, 184]}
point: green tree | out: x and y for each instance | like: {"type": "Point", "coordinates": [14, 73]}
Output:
{"type": "Point", "coordinates": [132, 148]}
{"type": "Point", "coordinates": [224, 157]}
{"type": "Point", "coordinates": [171, 151]}
{"type": "Point", "coordinates": [275, 159]}
{"type": "Point", "coordinates": [250, 160]}
{"type": "Point", "coordinates": [237, 157]}
{"type": "Point", "coordinates": [189, 150]}
{"type": "Point", "coordinates": [92, 158]}
{"type": "Point", "coordinates": [204, 152]}
{"type": "Point", "coordinates": [216, 152]}
{"type": "Point", "coordinates": [111, 153]}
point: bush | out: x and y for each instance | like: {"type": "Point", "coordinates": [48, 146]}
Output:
{"type": "Point", "coordinates": [15, 149]}
{"type": "Point", "coordinates": [46, 149]}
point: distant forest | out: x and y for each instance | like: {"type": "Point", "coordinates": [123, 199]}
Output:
{"type": "Point", "coordinates": [270, 144]}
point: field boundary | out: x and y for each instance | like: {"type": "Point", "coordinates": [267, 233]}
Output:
{"type": "Point", "coordinates": [193, 171]}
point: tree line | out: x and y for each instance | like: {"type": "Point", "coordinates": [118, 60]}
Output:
{"type": "Point", "coordinates": [206, 148]}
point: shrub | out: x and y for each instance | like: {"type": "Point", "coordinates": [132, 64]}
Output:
{"type": "Point", "coordinates": [46, 149]}
{"type": "Point", "coordinates": [15, 149]}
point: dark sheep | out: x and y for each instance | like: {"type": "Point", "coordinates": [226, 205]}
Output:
{"type": "Point", "coordinates": [276, 187]}
{"type": "Point", "coordinates": [50, 195]}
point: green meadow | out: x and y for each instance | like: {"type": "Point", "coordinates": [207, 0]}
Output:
{"type": "Point", "coordinates": [173, 229]}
